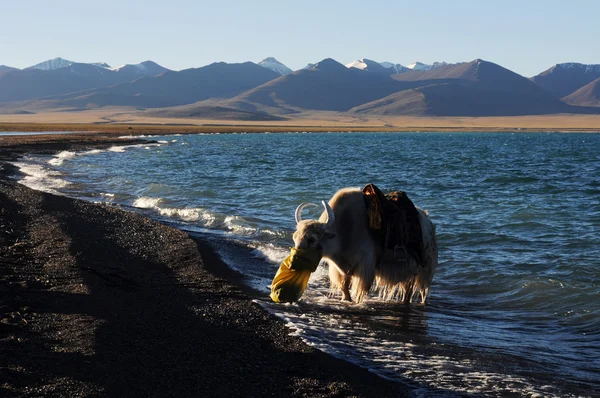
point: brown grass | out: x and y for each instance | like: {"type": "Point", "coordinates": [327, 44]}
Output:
{"type": "Point", "coordinates": [126, 120]}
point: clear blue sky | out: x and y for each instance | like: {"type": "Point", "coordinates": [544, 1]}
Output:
{"type": "Point", "coordinates": [526, 36]}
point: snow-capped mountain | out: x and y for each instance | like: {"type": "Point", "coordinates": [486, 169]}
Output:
{"type": "Point", "coordinates": [419, 66]}
{"type": "Point", "coordinates": [366, 64]}
{"type": "Point", "coordinates": [52, 64]}
{"type": "Point", "coordinates": [146, 68]}
{"type": "Point", "coordinates": [585, 68]}
{"type": "Point", "coordinates": [359, 64]}
{"type": "Point", "coordinates": [397, 68]}
{"type": "Point", "coordinates": [373, 66]}
{"type": "Point", "coordinates": [566, 78]}
{"type": "Point", "coordinates": [275, 66]}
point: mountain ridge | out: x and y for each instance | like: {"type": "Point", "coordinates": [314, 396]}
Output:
{"type": "Point", "coordinates": [564, 79]}
{"type": "Point", "coordinates": [250, 91]}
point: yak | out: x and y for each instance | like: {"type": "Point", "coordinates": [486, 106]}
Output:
{"type": "Point", "coordinates": [356, 256]}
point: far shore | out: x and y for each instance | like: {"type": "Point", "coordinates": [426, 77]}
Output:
{"type": "Point", "coordinates": [125, 121]}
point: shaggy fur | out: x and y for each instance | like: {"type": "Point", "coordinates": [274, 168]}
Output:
{"type": "Point", "coordinates": [355, 255]}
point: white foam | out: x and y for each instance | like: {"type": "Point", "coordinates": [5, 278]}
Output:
{"type": "Point", "coordinates": [183, 214]}
{"type": "Point", "coordinates": [146, 202]}
{"type": "Point", "coordinates": [41, 178]}
{"type": "Point", "coordinates": [59, 158]}
{"type": "Point", "coordinates": [109, 197]}
{"type": "Point", "coordinates": [238, 226]}
{"type": "Point", "coordinates": [329, 326]}
{"type": "Point", "coordinates": [270, 252]}
{"type": "Point", "coordinates": [117, 148]}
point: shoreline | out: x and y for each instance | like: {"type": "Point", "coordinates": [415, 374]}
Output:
{"type": "Point", "coordinates": [104, 301]}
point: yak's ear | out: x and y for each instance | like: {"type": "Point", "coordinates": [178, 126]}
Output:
{"type": "Point", "coordinates": [329, 235]}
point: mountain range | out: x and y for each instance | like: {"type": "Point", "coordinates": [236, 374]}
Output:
{"type": "Point", "coordinates": [270, 91]}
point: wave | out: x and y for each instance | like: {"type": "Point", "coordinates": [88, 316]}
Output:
{"type": "Point", "coordinates": [60, 157]}
{"type": "Point", "coordinates": [41, 178]}
{"type": "Point", "coordinates": [146, 202]}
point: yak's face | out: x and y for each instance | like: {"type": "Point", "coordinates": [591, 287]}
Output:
{"type": "Point", "coordinates": [311, 234]}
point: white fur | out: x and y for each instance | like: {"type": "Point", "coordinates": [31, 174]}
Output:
{"type": "Point", "coordinates": [354, 254]}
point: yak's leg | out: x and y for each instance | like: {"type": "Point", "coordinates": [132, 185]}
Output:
{"type": "Point", "coordinates": [346, 288]}
{"type": "Point", "coordinates": [339, 280]}
{"type": "Point", "coordinates": [409, 292]}
{"type": "Point", "coordinates": [424, 294]}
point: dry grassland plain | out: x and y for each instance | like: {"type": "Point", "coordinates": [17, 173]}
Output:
{"type": "Point", "coordinates": [119, 120]}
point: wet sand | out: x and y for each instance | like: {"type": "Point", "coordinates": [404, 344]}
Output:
{"type": "Point", "coordinates": [99, 301]}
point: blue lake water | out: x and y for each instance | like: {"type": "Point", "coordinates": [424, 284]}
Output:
{"type": "Point", "coordinates": [515, 303]}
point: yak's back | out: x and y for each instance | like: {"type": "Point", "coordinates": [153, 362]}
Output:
{"type": "Point", "coordinates": [396, 218]}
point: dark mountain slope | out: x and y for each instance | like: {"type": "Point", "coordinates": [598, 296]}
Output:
{"type": "Point", "coordinates": [327, 85]}
{"type": "Point", "coordinates": [477, 88]}
{"type": "Point", "coordinates": [588, 95]}
{"type": "Point", "coordinates": [170, 88]}
{"type": "Point", "coordinates": [31, 83]}
{"type": "Point", "coordinates": [564, 79]}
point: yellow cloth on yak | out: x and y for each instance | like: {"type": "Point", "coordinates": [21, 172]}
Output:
{"type": "Point", "coordinates": [292, 276]}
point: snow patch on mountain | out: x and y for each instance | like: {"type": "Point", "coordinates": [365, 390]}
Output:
{"type": "Point", "coordinates": [358, 64]}
{"type": "Point", "coordinates": [52, 64]}
{"type": "Point", "coordinates": [419, 66]}
{"type": "Point", "coordinates": [588, 68]}
{"type": "Point", "coordinates": [373, 66]}
{"type": "Point", "coordinates": [146, 68]}
{"type": "Point", "coordinates": [274, 65]}
{"type": "Point", "coordinates": [398, 68]}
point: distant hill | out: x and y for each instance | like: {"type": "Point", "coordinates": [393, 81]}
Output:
{"type": "Point", "coordinates": [37, 82]}
{"type": "Point", "coordinates": [218, 80]}
{"type": "Point", "coordinates": [564, 79]}
{"type": "Point", "coordinates": [146, 68]}
{"type": "Point", "coordinates": [328, 85]}
{"type": "Point", "coordinates": [269, 90]}
{"type": "Point", "coordinates": [588, 95]}
{"type": "Point", "coordinates": [4, 68]}
{"type": "Point", "coordinates": [477, 88]}
{"type": "Point", "coordinates": [210, 112]}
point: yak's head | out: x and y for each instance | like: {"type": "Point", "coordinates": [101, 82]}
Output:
{"type": "Point", "coordinates": [314, 234]}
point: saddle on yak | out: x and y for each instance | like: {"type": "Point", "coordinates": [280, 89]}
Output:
{"type": "Point", "coordinates": [396, 218]}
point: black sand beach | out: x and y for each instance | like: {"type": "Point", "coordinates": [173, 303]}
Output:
{"type": "Point", "coordinates": [99, 301]}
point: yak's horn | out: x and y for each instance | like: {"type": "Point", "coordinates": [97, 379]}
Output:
{"type": "Point", "coordinates": [330, 215]}
{"type": "Point", "coordinates": [299, 210]}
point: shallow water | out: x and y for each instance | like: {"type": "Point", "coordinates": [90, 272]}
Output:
{"type": "Point", "coordinates": [514, 306]}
